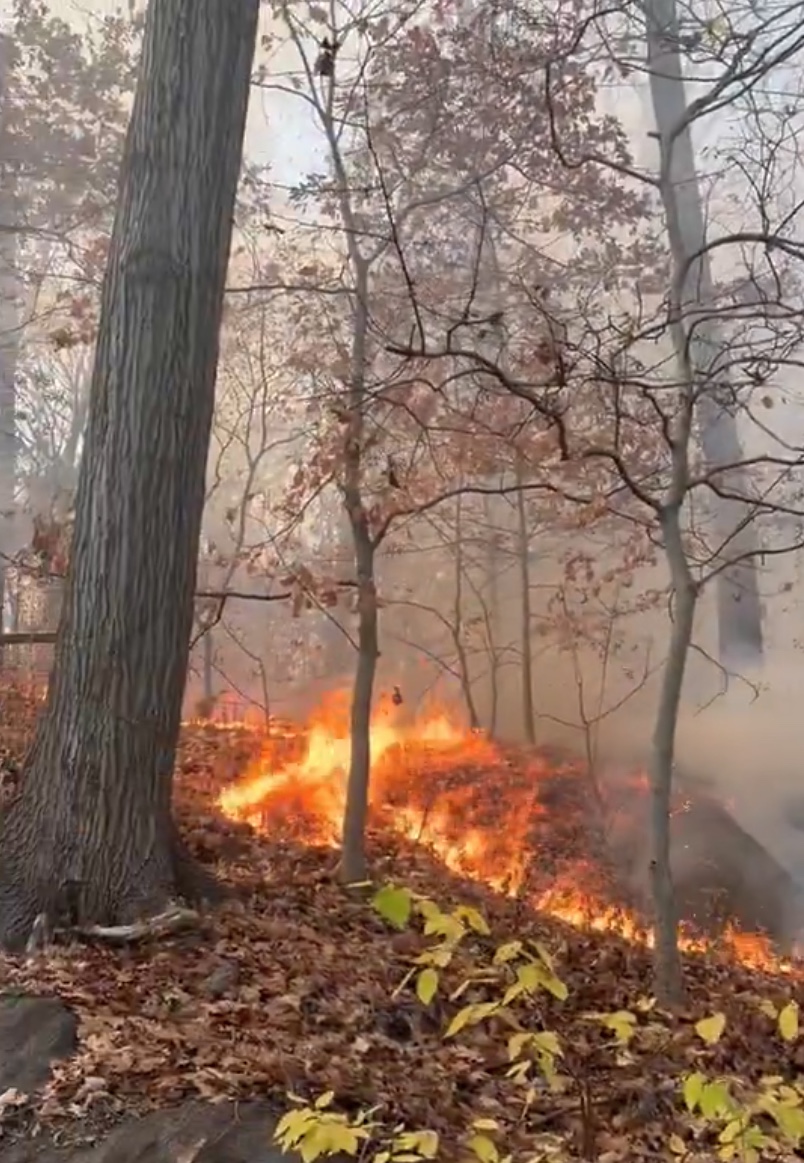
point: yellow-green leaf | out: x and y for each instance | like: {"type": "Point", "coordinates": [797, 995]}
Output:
{"type": "Point", "coordinates": [462, 1018]}
{"type": "Point", "coordinates": [788, 1021]}
{"type": "Point", "coordinates": [470, 1016]}
{"type": "Point", "coordinates": [484, 1148]}
{"type": "Point", "coordinates": [311, 1145]}
{"type": "Point", "coordinates": [442, 957]}
{"type": "Point", "coordinates": [788, 1095]}
{"type": "Point", "coordinates": [427, 986]}
{"type": "Point", "coordinates": [789, 1120]}
{"type": "Point", "coordinates": [677, 1145]}
{"type": "Point", "coordinates": [556, 987]}
{"type": "Point", "coordinates": [294, 1125]}
{"type": "Point", "coordinates": [715, 1100]}
{"type": "Point", "coordinates": [732, 1130]}
{"type": "Point", "coordinates": [394, 905]}
{"type": "Point", "coordinates": [530, 976]}
{"type": "Point", "coordinates": [428, 1144]}
{"type": "Point", "coordinates": [693, 1089]}
{"type": "Point", "coordinates": [474, 919]}
{"type": "Point", "coordinates": [507, 952]}
{"type": "Point", "coordinates": [512, 993]}
{"type": "Point", "coordinates": [516, 1044]}
{"type": "Point", "coordinates": [485, 1125]}
{"type": "Point", "coordinates": [546, 1042]}
{"type": "Point", "coordinates": [622, 1024]}
{"type": "Point", "coordinates": [417, 1145]}
{"type": "Point", "coordinates": [711, 1029]}
{"type": "Point", "coordinates": [445, 925]}
{"type": "Point", "coordinates": [341, 1139]}
{"type": "Point", "coordinates": [544, 955]}
{"type": "Point", "coordinates": [426, 907]}
{"type": "Point", "coordinates": [324, 1100]}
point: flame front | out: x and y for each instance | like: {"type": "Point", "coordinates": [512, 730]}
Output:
{"type": "Point", "coordinates": [453, 790]}
{"type": "Point", "coordinates": [308, 793]}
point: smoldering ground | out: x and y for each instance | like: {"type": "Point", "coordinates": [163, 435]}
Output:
{"type": "Point", "coordinates": [740, 771]}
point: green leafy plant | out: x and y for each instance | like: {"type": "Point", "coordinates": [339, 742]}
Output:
{"type": "Point", "coordinates": [749, 1124]}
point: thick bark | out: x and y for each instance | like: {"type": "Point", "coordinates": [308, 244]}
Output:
{"type": "Point", "coordinates": [667, 963]}
{"type": "Point", "coordinates": [93, 820]}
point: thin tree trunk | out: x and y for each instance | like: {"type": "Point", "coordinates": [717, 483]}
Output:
{"type": "Point", "coordinates": [667, 963]}
{"type": "Point", "coordinates": [9, 330]}
{"type": "Point", "coordinates": [94, 815]}
{"type": "Point", "coordinates": [493, 615]}
{"type": "Point", "coordinates": [457, 621]}
{"type": "Point", "coordinates": [523, 550]}
{"type": "Point", "coordinates": [733, 534]}
{"type": "Point", "coordinates": [354, 868]}
{"type": "Point", "coordinates": [206, 668]}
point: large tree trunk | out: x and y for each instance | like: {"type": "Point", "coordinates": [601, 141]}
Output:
{"type": "Point", "coordinates": [93, 821]}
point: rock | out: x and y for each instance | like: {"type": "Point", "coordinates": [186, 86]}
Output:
{"type": "Point", "coordinates": [191, 1133]}
{"type": "Point", "coordinates": [34, 1033]}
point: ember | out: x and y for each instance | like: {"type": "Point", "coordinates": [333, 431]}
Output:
{"type": "Point", "coordinates": [525, 824]}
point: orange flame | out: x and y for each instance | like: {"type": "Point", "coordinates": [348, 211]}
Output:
{"type": "Point", "coordinates": [441, 785]}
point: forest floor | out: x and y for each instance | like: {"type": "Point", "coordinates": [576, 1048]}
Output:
{"type": "Point", "coordinates": [290, 987]}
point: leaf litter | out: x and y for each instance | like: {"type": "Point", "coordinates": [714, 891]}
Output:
{"type": "Point", "coordinates": [290, 987]}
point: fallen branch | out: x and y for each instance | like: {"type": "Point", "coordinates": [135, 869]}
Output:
{"type": "Point", "coordinates": [28, 638]}
{"type": "Point", "coordinates": [47, 637]}
{"type": "Point", "coordinates": [167, 924]}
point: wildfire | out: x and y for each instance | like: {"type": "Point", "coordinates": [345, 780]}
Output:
{"type": "Point", "coordinates": [308, 791]}
{"type": "Point", "coordinates": [453, 790]}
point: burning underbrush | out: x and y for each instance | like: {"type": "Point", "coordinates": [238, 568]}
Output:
{"type": "Point", "coordinates": [527, 824]}
{"type": "Point", "coordinates": [293, 984]}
